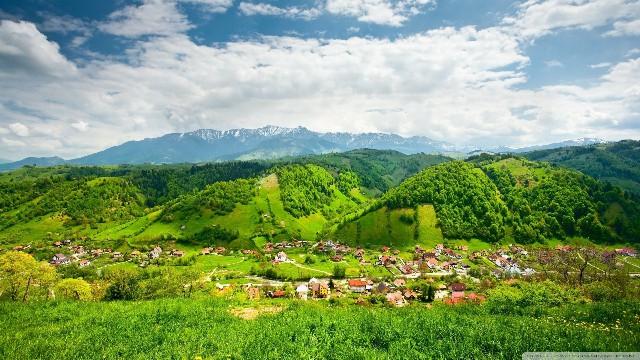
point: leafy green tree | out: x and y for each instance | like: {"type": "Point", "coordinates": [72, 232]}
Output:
{"type": "Point", "coordinates": [339, 271]}
{"type": "Point", "coordinates": [20, 273]}
{"type": "Point", "coordinates": [74, 289]}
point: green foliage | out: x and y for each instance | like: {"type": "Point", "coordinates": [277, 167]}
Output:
{"type": "Point", "coordinates": [214, 235]}
{"type": "Point", "coordinates": [464, 198]}
{"type": "Point", "coordinates": [562, 203]}
{"type": "Point", "coordinates": [21, 275]}
{"type": "Point", "coordinates": [347, 180]}
{"type": "Point", "coordinates": [617, 162]}
{"type": "Point", "coordinates": [516, 299]}
{"type": "Point", "coordinates": [73, 289]}
{"type": "Point", "coordinates": [339, 271]}
{"type": "Point", "coordinates": [309, 260]}
{"type": "Point", "coordinates": [304, 189]}
{"type": "Point", "coordinates": [220, 198]}
{"type": "Point", "coordinates": [190, 328]}
{"type": "Point", "coordinates": [377, 170]}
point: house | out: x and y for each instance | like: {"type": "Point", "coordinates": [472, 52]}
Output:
{"type": "Point", "coordinates": [281, 257]}
{"type": "Point", "coordinates": [336, 258]}
{"type": "Point", "coordinates": [357, 286]}
{"type": "Point", "coordinates": [563, 248]}
{"type": "Point", "coordinates": [400, 282]}
{"type": "Point", "coordinates": [385, 248]}
{"type": "Point", "coordinates": [178, 253]}
{"type": "Point", "coordinates": [319, 290]}
{"type": "Point", "coordinates": [406, 269]}
{"type": "Point", "coordinates": [57, 244]}
{"type": "Point", "coordinates": [67, 242]}
{"type": "Point", "coordinates": [277, 294]}
{"type": "Point", "coordinates": [17, 247]}
{"type": "Point", "coordinates": [474, 297]}
{"type": "Point", "coordinates": [302, 291]}
{"type": "Point", "coordinates": [84, 263]}
{"type": "Point", "coordinates": [382, 288]}
{"type": "Point", "coordinates": [254, 293]}
{"type": "Point", "coordinates": [135, 253]}
{"type": "Point", "coordinates": [369, 286]}
{"type": "Point", "coordinates": [447, 265]}
{"type": "Point", "coordinates": [410, 294]}
{"type": "Point", "coordinates": [117, 255]}
{"type": "Point", "coordinates": [96, 252]}
{"type": "Point", "coordinates": [396, 252]}
{"type": "Point", "coordinates": [220, 250]}
{"type": "Point", "coordinates": [359, 253]}
{"type": "Point", "coordinates": [432, 263]}
{"type": "Point", "coordinates": [625, 251]}
{"type": "Point", "coordinates": [396, 298]}
{"type": "Point", "coordinates": [419, 249]}
{"type": "Point", "coordinates": [155, 253]}
{"type": "Point", "coordinates": [457, 290]}
{"type": "Point", "coordinates": [453, 301]}
{"type": "Point", "coordinates": [205, 251]}
{"type": "Point", "coordinates": [59, 259]}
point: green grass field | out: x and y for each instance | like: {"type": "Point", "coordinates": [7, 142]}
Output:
{"type": "Point", "coordinates": [208, 328]}
{"type": "Point", "coordinates": [384, 227]}
{"type": "Point", "coordinates": [428, 234]}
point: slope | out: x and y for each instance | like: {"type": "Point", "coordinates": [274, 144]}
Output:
{"type": "Point", "coordinates": [618, 163]}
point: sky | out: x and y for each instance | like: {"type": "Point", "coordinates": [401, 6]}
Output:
{"type": "Point", "coordinates": [77, 77]}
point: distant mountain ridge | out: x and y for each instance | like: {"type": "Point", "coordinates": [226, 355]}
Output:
{"type": "Point", "coordinates": [207, 145]}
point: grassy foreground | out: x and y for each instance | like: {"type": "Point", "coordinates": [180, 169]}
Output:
{"type": "Point", "coordinates": [211, 329]}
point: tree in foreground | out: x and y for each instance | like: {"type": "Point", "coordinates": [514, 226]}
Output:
{"type": "Point", "coordinates": [20, 273]}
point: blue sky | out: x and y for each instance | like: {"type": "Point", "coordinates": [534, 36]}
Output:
{"type": "Point", "coordinates": [80, 76]}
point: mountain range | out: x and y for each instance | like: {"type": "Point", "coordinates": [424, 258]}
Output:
{"type": "Point", "coordinates": [208, 145]}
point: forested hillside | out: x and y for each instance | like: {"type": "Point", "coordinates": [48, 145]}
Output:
{"type": "Point", "coordinates": [377, 170]}
{"type": "Point", "coordinates": [618, 163]}
{"type": "Point", "coordinates": [466, 201]}
{"type": "Point", "coordinates": [521, 201]}
{"type": "Point", "coordinates": [246, 204]}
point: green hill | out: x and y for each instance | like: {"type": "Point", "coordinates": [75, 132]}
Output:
{"type": "Point", "coordinates": [244, 205]}
{"type": "Point", "coordinates": [617, 163]}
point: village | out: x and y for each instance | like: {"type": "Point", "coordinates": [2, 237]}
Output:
{"type": "Point", "coordinates": [441, 273]}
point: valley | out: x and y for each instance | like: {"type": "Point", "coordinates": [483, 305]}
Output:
{"type": "Point", "coordinates": [366, 229]}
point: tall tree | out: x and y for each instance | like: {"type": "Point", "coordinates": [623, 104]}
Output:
{"type": "Point", "coordinates": [19, 273]}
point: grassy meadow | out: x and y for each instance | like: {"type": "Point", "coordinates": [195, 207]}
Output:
{"type": "Point", "coordinates": [216, 328]}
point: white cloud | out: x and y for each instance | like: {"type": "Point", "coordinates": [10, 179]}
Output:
{"type": "Point", "coordinates": [450, 84]}
{"type": "Point", "coordinates": [63, 24]}
{"type": "Point", "coordinates": [621, 28]}
{"type": "Point", "coordinates": [10, 144]}
{"type": "Point", "coordinates": [540, 17]}
{"type": "Point", "coordinates": [553, 63]}
{"type": "Point", "coordinates": [381, 12]}
{"type": "Point", "coordinates": [80, 126]}
{"type": "Point", "coordinates": [600, 65]}
{"type": "Point", "coordinates": [153, 17]}
{"type": "Point", "coordinates": [293, 12]}
{"type": "Point", "coordinates": [632, 52]}
{"type": "Point", "coordinates": [23, 49]}
{"type": "Point", "coordinates": [215, 6]}
{"type": "Point", "coordinates": [19, 129]}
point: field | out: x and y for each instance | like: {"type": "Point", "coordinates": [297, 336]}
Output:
{"type": "Point", "coordinates": [385, 227]}
{"type": "Point", "coordinates": [216, 328]}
